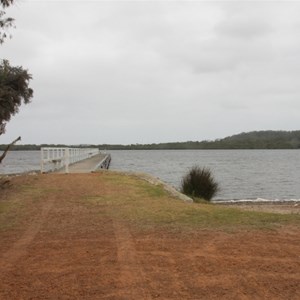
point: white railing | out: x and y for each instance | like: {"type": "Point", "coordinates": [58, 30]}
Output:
{"type": "Point", "coordinates": [58, 158]}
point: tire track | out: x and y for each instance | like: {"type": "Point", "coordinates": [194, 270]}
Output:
{"type": "Point", "coordinates": [176, 284]}
{"type": "Point", "coordinates": [132, 278]}
{"type": "Point", "coordinates": [19, 248]}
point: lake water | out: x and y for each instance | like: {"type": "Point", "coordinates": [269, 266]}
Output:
{"type": "Point", "coordinates": [242, 174]}
{"type": "Point", "coordinates": [20, 161]}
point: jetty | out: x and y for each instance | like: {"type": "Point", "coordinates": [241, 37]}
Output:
{"type": "Point", "coordinates": [73, 160]}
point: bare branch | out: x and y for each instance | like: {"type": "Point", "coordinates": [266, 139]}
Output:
{"type": "Point", "coordinates": [8, 147]}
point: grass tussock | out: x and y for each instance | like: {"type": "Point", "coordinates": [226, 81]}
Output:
{"type": "Point", "coordinates": [199, 183]}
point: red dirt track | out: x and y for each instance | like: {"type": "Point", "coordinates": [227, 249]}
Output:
{"type": "Point", "coordinates": [64, 249]}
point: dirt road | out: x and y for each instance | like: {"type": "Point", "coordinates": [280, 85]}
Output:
{"type": "Point", "coordinates": [60, 247]}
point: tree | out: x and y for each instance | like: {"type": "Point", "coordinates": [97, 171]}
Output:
{"type": "Point", "coordinates": [14, 81]}
{"type": "Point", "coordinates": [5, 23]}
{"type": "Point", "coordinates": [13, 91]}
{"type": "Point", "coordinates": [6, 3]}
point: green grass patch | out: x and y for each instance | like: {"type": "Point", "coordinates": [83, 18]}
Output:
{"type": "Point", "coordinates": [37, 191]}
{"type": "Point", "coordinates": [213, 216]}
{"type": "Point", "coordinates": [9, 211]}
{"type": "Point", "coordinates": [137, 201]}
{"type": "Point", "coordinates": [4, 207]}
{"type": "Point", "coordinates": [14, 206]}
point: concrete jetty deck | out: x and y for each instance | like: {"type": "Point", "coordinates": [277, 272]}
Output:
{"type": "Point", "coordinates": [89, 165]}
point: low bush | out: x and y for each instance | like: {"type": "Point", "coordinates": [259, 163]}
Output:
{"type": "Point", "coordinates": [199, 182]}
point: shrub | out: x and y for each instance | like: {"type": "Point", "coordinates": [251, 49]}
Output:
{"type": "Point", "coordinates": [199, 182]}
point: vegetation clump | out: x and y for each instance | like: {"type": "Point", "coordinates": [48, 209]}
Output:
{"type": "Point", "coordinates": [199, 182]}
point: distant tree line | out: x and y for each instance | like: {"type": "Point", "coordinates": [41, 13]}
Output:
{"type": "Point", "coordinates": [250, 140]}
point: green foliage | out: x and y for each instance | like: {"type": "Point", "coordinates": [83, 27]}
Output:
{"type": "Point", "coordinates": [13, 91]}
{"type": "Point", "coordinates": [14, 81]}
{"type": "Point", "coordinates": [199, 182]}
{"type": "Point", "coordinates": [5, 23]}
{"type": "Point", "coordinates": [6, 3]}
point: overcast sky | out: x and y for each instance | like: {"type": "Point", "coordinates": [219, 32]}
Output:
{"type": "Point", "coordinates": [154, 71]}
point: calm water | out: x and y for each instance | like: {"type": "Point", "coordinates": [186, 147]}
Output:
{"type": "Point", "coordinates": [20, 161]}
{"type": "Point", "coordinates": [242, 174]}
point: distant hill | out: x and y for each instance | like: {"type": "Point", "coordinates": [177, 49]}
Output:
{"type": "Point", "coordinates": [246, 140]}
{"type": "Point", "coordinates": [249, 140]}
{"type": "Point", "coordinates": [261, 140]}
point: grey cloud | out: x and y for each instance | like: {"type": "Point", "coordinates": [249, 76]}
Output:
{"type": "Point", "coordinates": [133, 72]}
{"type": "Point", "coordinates": [243, 27]}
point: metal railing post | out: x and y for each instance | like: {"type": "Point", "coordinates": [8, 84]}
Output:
{"type": "Point", "coordinates": [42, 160]}
{"type": "Point", "coordinates": [67, 159]}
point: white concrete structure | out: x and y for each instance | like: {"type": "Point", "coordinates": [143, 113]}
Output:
{"type": "Point", "coordinates": [59, 158]}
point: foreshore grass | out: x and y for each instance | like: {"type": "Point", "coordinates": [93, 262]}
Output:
{"type": "Point", "coordinates": [10, 211]}
{"type": "Point", "coordinates": [128, 199]}
{"type": "Point", "coordinates": [139, 202]}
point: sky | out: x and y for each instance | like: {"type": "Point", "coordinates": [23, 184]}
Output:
{"type": "Point", "coordinates": [127, 72]}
